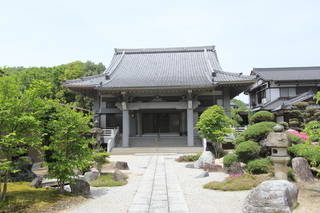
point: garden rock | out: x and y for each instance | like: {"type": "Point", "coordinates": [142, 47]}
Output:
{"type": "Point", "coordinates": [301, 169]}
{"type": "Point", "coordinates": [119, 176]}
{"type": "Point", "coordinates": [203, 174]}
{"type": "Point", "coordinates": [211, 167]}
{"type": "Point", "coordinates": [206, 157]}
{"type": "Point", "coordinates": [190, 165]}
{"type": "Point", "coordinates": [120, 165]}
{"type": "Point", "coordinates": [80, 187]}
{"type": "Point", "coordinates": [91, 176]}
{"type": "Point", "coordinates": [37, 182]}
{"type": "Point", "coordinates": [235, 169]}
{"type": "Point", "coordinates": [272, 196]}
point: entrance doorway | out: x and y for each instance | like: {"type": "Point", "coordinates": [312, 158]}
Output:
{"type": "Point", "coordinates": [161, 123]}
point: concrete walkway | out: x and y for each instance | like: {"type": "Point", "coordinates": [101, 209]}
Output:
{"type": "Point", "coordinates": [159, 190]}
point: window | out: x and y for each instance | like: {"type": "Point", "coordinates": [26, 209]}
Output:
{"type": "Point", "coordinates": [261, 95]}
{"type": "Point", "coordinates": [287, 92]}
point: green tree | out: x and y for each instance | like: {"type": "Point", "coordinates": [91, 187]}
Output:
{"type": "Point", "coordinates": [317, 97]}
{"type": "Point", "coordinates": [240, 106]}
{"type": "Point", "coordinates": [69, 143]}
{"type": "Point", "coordinates": [19, 128]}
{"type": "Point", "coordinates": [214, 125]}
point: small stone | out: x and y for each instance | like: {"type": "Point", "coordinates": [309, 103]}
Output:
{"type": "Point", "coordinates": [120, 165]}
{"type": "Point", "coordinates": [203, 174]}
{"type": "Point", "coordinates": [301, 169]}
{"type": "Point", "coordinates": [272, 196]}
{"type": "Point", "coordinates": [235, 169]}
{"type": "Point", "coordinates": [91, 176]}
{"type": "Point", "coordinates": [190, 165]}
{"type": "Point", "coordinates": [37, 182]}
{"type": "Point", "coordinates": [119, 176]}
{"type": "Point", "coordinates": [211, 167]}
{"type": "Point", "coordinates": [80, 187]}
{"type": "Point", "coordinates": [206, 157]}
{"type": "Point", "coordinates": [278, 128]}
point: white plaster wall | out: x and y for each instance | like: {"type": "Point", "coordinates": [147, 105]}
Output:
{"type": "Point", "coordinates": [274, 93]}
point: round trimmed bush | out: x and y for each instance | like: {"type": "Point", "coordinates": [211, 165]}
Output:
{"type": "Point", "coordinates": [261, 116]}
{"type": "Point", "coordinates": [229, 159]}
{"type": "Point", "coordinates": [259, 166]}
{"type": "Point", "coordinates": [247, 151]}
{"type": "Point", "coordinates": [255, 132]}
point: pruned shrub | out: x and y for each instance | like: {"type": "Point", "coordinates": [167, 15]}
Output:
{"type": "Point", "coordinates": [256, 132]}
{"type": "Point", "coordinates": [247, 151]}
{"type": "Point", "coordinates": [100, 158]}
{"type": "Point", "coordinates": [229, 159]}
{"type": "Point", "coordinates": [261, 116]}
{"type": "Point", "coordinates": [189, 158]}
{"type": "Point", "coordinates": [259, 166]}
{"type": "Point", "coordinates": [309, 152]}
{"type": "Point", "coordinates": [313, 130]}
{"type": "Point", "coordinates": [295, 139]}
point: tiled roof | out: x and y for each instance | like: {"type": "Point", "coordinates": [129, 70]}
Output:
{"type": "Point", "coordinates": [287, 73]}
{"type": "Point", "coordinates": [161, 67]}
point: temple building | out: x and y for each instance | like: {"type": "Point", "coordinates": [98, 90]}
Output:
{"type": "Point", "coordinates": [159, 92]}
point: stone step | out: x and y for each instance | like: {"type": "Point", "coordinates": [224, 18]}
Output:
{"type": "Point", "coordinates": [156, 150]}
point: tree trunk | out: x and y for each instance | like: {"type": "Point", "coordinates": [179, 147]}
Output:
{"type": "Point", "coordinates": [5, 187]}
{"type": "Point", "coordinates": [61, 184]}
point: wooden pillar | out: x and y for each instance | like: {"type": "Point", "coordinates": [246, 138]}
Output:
{"type": "Point", "coordinates": [226, 101]}
{"type": "Point", "coordinates": [183, 123]}
{"type": "Point", "coordinates": [190, 137]}
{"type": "Point", "coordinates": [139, 123]}
{"type": "Point", "coordinates": [125, 125]}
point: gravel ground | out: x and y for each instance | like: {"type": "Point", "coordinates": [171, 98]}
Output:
{"type": "Point", "coordinates": [115, 199]}
{"type": "Point", "coordinates": [199, 200]}
{"type": "Point", "coordinates": [202, 200]}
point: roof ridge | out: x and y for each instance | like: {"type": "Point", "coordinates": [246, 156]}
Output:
{"type": "Point", "coordinates": [283, 68]}
{"type": "Point", "coordinates": [164, 49]}
{"type": "Point", "coordinates": [233, 74]}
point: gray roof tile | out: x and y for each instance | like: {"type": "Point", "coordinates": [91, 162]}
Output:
{"type": "Point", "coordinates": [287, 73]}
{"type": "Point", "coordinates": [161, 67]}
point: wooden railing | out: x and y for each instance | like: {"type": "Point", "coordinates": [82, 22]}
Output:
{"type": "Point", "coordinates": [110, 137]}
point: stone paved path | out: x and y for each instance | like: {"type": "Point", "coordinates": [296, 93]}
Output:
{"type": "Point", "coordinates": [159, 190]}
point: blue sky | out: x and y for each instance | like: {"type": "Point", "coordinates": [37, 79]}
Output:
{"type": "Point", "coordinates": [246, 33]}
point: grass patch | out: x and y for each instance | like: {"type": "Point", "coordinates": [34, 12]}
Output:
{"type": "Point", "coordinates": [188, 158]}
{"type": "Point", "coordinates": [106, 180]}
{"type": "Point", "coordinates": [238, 183]}
{"type": "Point", "coordinates": [22, 197]}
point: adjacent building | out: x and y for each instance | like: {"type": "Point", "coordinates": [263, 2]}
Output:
{"type": "Point", "coordinates": [277, 89]}
{"type": "Point", "coordinates": [160, 91]}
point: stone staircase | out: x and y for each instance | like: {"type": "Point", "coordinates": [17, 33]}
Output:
{"type": "Point", "coordinates": [154, 144]}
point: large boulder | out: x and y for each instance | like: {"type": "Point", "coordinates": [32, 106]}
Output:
{"type": "Point", "coordinates": [120, 165]}
{"type": "Point", "coordinates": [91, 176]}
{"type": "Point", "coordinates": [272, 196]}
{"type": "Point", "coordinates": [119, 176]}
{"type": "Point", "coordinates": [235, 168]}
{"type": "Point", "coordinates": [206, 157]}
{"type": "Point", "coordinates": [80, 187]}
{"type": "Point", "coordinates": [301, 169]}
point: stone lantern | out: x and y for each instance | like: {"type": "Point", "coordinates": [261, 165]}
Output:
{"type": "Point", "coordinates": [96, 131]}
{"type": "Point", "coordinates": [279, 142]}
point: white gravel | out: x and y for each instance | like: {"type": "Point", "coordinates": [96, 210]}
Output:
{"type": "Point", "coordinates": [199, 200]}
{"type": "Point", "coordinates": [202, 200]}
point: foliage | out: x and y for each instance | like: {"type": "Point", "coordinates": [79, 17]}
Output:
{"type": "Point", "coordinates": [100, 158]}
{"type": "Point", "coordinates": [189, 158]}
{"type": "Point", "coordinates": [309, 152]}
{"type": "Point", "coordinates": [69, 144]}
{"type": "Point", "coordinates": [300, 114]}
{"type": "Point", "coordinates": [261, 116]}
{"type": "Point", "coordinates": [295, 139]}
{"type": "Point", "coordinates": [229, 159]}
{"type": "Point", "coordinates": [317, 97]}
{"type": "Point", "coordinates": [238, 183]}
{"type": "Point", "coordinates": [247, 151]}
{"type": "Point", "coordinates": [313, 130]}
{"type": "Point", "coordinates": [256, 132]}
{"type": "Point", "coordinates": [259, 166]}
{"type": "Point", "coordinates": [24, 198]}
{"type": "Point", "coordinates": [239, 107]}
{"type": "Point", "coordinates": [106, 181]}
{"type": "Point", "coordinates": [214, 125]}
{"type": "Point", "coordinates": [19, 128]}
